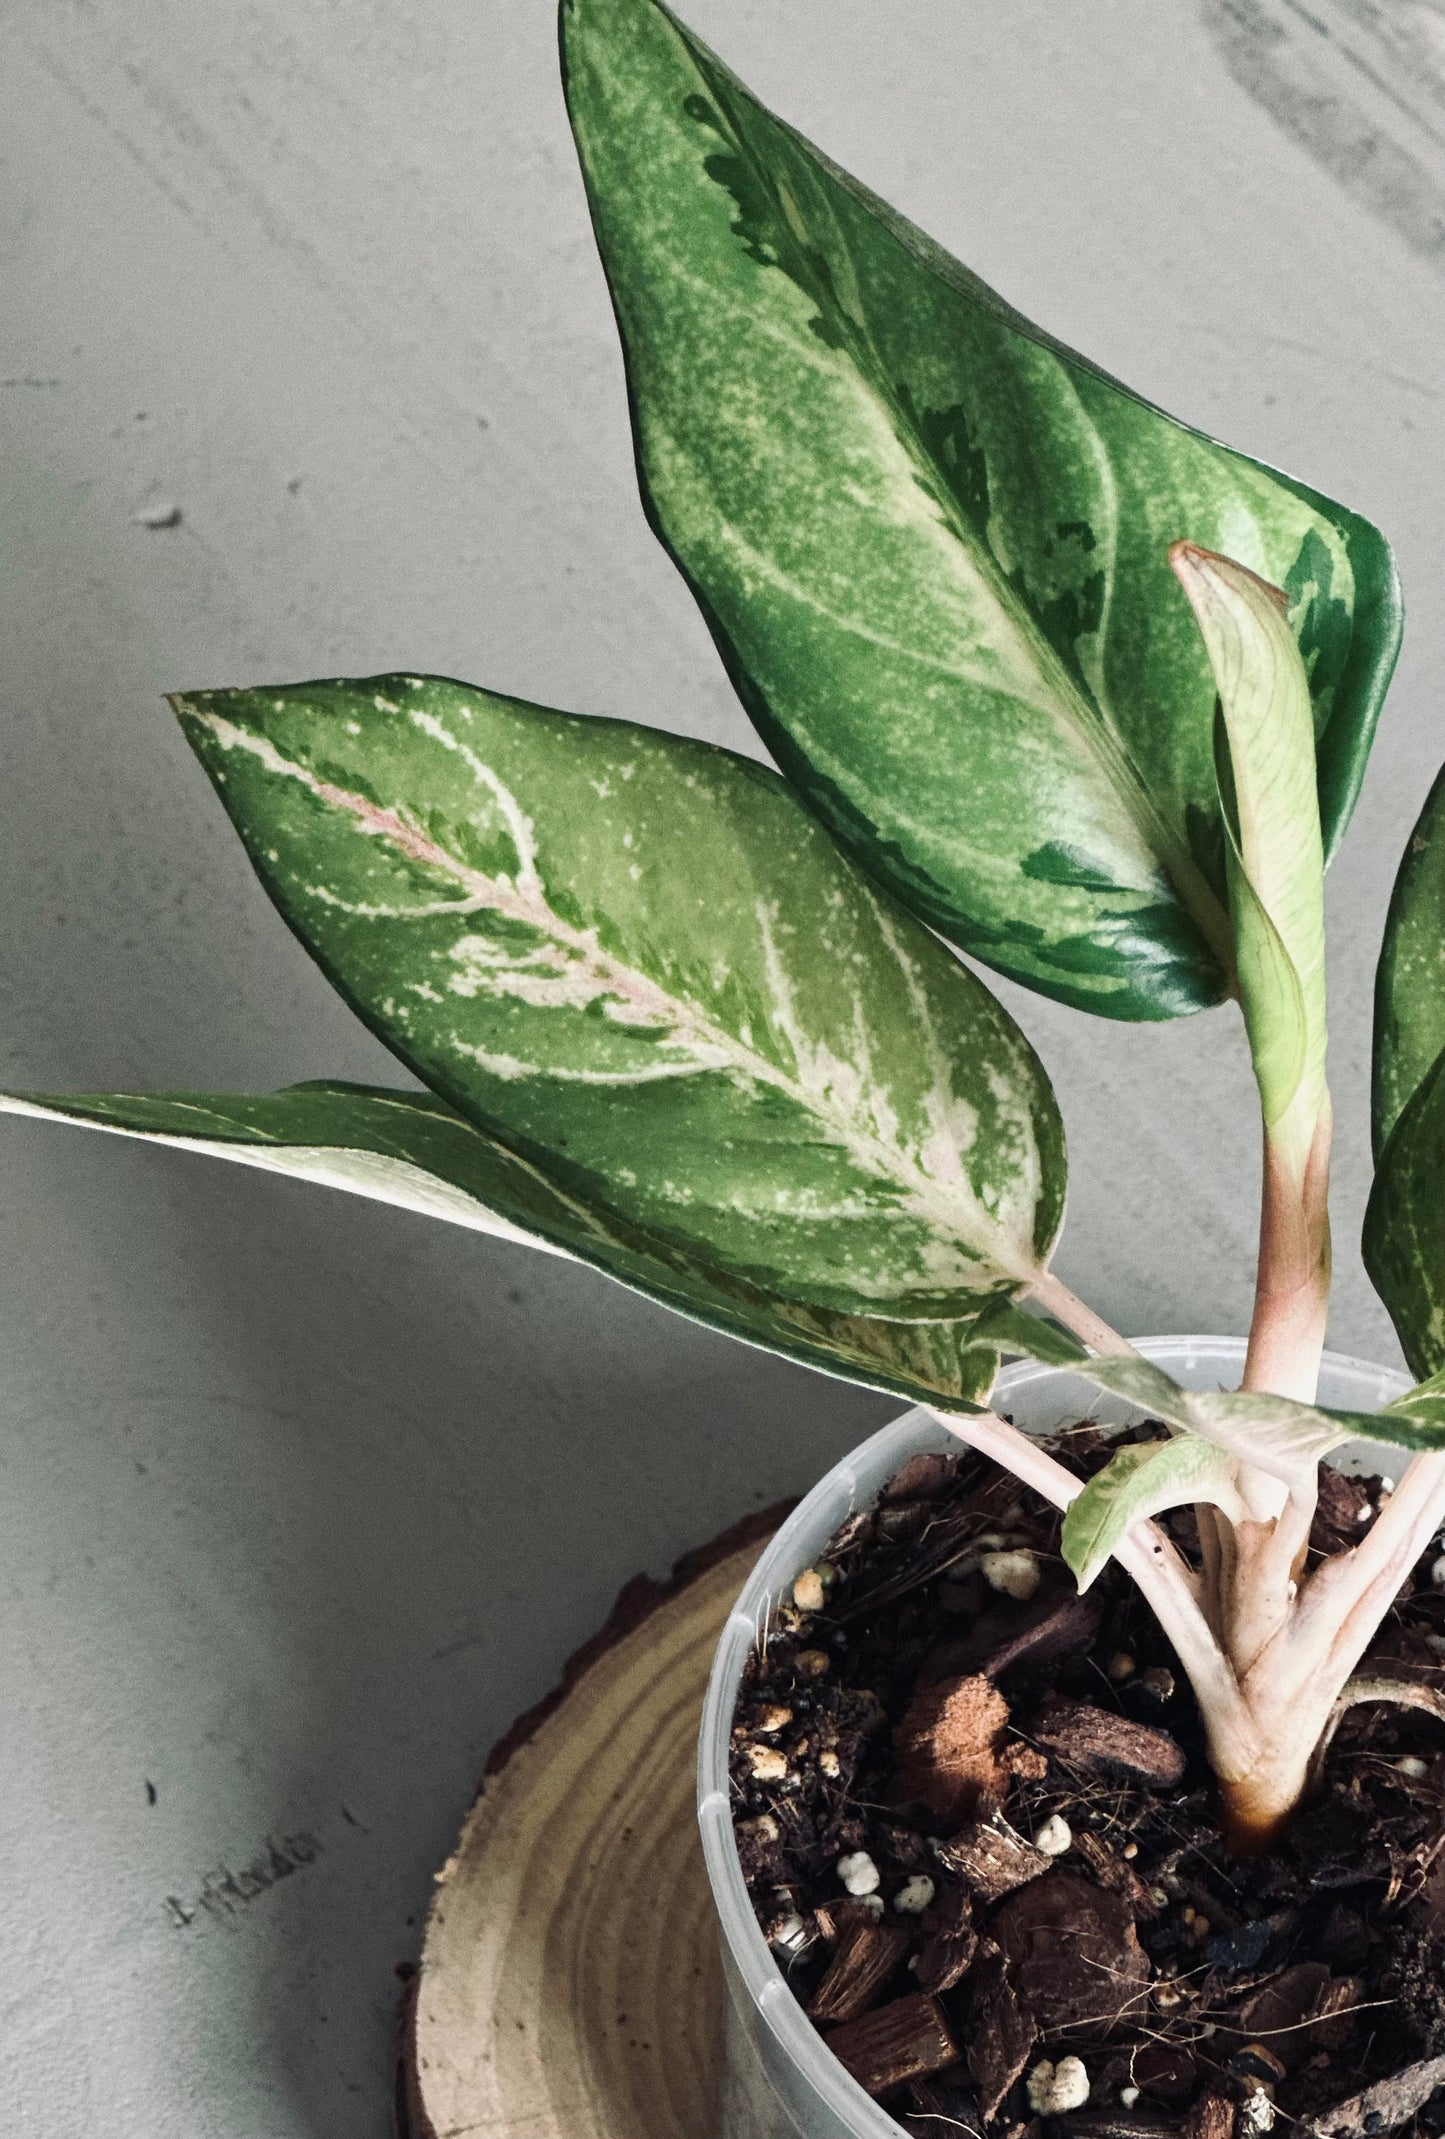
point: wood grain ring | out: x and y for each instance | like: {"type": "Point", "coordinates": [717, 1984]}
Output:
{"type": "Point", "coordinates": [569, 1985]}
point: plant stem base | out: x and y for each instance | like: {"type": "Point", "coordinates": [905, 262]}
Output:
{"type": "Point", "coordinates": [569, 1985]}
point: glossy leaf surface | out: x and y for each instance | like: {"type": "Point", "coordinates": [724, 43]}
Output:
{"type": "Point", "coordinates": [641, 965]}
{"type": "Point", "coordinates": [1144, 1479]}
{"type": "Point", "coordinates": [1404, 1236]}
{"type": "Point", "coordinates": [412, 1150]}
{"type": "Point", "coordinates": [932, 544]}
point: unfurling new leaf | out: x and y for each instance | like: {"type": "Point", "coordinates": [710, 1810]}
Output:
{"type": "Point", "coordinates": [1269, 803]}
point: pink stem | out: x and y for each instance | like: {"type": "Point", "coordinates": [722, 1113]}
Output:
{"type": "Point", "coordinates": [1350, 1594]}
{"type": "Point", "coordinates": [1292, 1287]}
{"type": "Point", "coordinates": [1066, 1307]}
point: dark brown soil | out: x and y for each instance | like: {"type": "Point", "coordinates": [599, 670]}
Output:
{"type": "Point", "coordinates": [938, 1727]}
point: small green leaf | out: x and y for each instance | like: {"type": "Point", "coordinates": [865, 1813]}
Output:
{"type": "Point", "coordinates": [1416, 1419]}
{"type": "Point", "coordinates": [1274, 1433]}
{"type": "Point", "coordinates": [1269, 802]}
{"type": "Point", "coordinates": [1014, 1329]}
{"type": "Point", "coordinates": [1143, 1480]}
{"type": "Point", "coordinates": [931, 542]}
{"type": "Point", "coordinates": [1404, 1233]}
{"type": "Point", "coordinates": [1410, 984]}
{"type": "Point", "coordinates": [641, 966]}
{"type": "Point", "coordinates": [411, 1150]}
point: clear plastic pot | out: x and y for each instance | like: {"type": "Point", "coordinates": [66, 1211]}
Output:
{"type": "Point", "coordinates": [779, 2081]}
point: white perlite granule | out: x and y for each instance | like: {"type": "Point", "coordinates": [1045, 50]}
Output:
{"type": "Point", "coordinates": [858, 1872]}
{"type": "Point", "coordinates": [1053, 2089]}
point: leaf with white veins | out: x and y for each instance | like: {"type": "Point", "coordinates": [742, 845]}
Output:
{"type": "Point", "coordinates": [931, 542]}
{"type": "Point", "coordinates": [638, 963]}
{"type": "Point", "coordinates": [411, 1150]}
{"type": "Point", "coordinates": [1144, 1479]}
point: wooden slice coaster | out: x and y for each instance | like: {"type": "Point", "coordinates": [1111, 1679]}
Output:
{"type": "Point", "coordinates": [569, 1985]}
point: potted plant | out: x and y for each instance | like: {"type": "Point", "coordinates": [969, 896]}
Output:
{"type": "Point", "coordinates": [1050, 680]}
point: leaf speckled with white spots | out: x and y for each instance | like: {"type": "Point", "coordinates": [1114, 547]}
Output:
{"type": "Point", "coordinates": [932, 543]}
{"type": "Point", "coordinates": [639, 965]}
{"type": "Point", "coordinates": [1404, 1241]}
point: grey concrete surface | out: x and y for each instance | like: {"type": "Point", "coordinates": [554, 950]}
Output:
{"type": "Point", "coordinates": [302, 1499]}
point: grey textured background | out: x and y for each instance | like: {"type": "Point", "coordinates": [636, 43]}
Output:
{"type": "Point", "coordinates": [300, 1499]}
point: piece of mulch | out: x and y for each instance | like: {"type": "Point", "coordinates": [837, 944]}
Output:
{"type": "Point", "coordinates": [977, 1826]}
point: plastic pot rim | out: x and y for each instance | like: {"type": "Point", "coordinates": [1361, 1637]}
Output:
{"type": "Point", "coordinates": [1198, 1361]}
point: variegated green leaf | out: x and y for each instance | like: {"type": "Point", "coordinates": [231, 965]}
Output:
{"type": "Point", "coordinates": [1410, 984]}
{"type": "Point", "coordinates": [1404, 1233]}
{"type": "Point", "coordinates": [638, 963]}
{"type": "Point", "coordinates": [395, 1147]}
{"type": "Point", "coordinates": [1404, 1238]}
{"type": "Point", "coordinates": [1273, 1433]}
{"type": "Point", "coordinates": [1014, 1329]}
{"type": "Point", "coordinates": [412, 1150]}
{"type": "Point", "coordinates": [1270, 809]}
{"type": "Point", "coordinates": [1144, 1479]}
{"type": "Point", "coordinates": [1277, 1434]}
{"type": "Point", "coordinates": [1417, 1419]}
{"type": "Point", "coordinates": [932, 543]}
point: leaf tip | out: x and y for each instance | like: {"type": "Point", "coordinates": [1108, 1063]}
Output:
{"type": "Point", "coordinates": [1077, 1554]}
{"type": "Point", "coordinates": [1205, 572]}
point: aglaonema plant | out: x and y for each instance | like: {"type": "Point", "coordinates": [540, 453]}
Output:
{"type": "Point", "coordinates": [1051, 680]}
